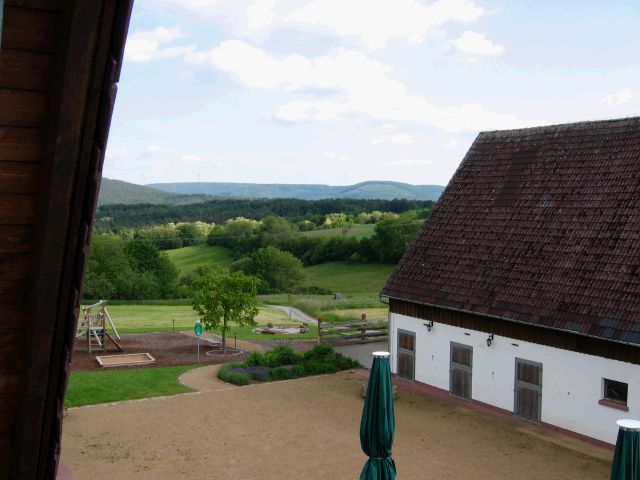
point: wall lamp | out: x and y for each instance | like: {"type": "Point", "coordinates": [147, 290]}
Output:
{"type": "Point", "coordinates": [489, 340]}
{"type": "Point", "coordinates": [429, 325]}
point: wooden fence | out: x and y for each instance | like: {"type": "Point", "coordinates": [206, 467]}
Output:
{"type": "Point", "coordinates": [354, 331]}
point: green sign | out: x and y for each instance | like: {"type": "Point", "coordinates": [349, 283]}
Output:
{"type": "Point", "coordinates": [197, 329]}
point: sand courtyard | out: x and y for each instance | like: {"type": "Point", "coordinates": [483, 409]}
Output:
{"type": "Point", "coordinates": [308, 429]}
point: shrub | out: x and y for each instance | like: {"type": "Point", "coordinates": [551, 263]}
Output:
{"type": "Point", "coordinates": [235, 374]}
{"type": "Point", "coordinates": [321, 352]}
{"type": "Point", "coordinates": [279, 373]}
{"type": "Point", "coordinates": [258, 373]}
{"type": "Point", "coordinates": [255, 359]}
{"type": "Point", "coordinates": [282, 355]}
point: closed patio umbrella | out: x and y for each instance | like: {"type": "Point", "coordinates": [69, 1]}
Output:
{"type": "Point", "coordinates": [378, 422]}
{"type": "Point", "coordinates": [626, 459]}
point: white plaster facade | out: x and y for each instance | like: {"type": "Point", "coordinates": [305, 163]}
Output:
{"type": "Point", "coordinates": [572, 383]}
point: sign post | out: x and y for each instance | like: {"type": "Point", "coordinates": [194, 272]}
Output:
{"type": "Point", "coordinates": [197, 330]}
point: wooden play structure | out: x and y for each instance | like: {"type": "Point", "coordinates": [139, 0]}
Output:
{"type": "Point", "coordinates": [93, 325]}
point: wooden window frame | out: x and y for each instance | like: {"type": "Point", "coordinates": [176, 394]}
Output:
{"type": "Point", "coordinates": [614, 402]}
{"type": "Point", "coordinates": [521, 383]}
{"type": "Point", "coordinates": [400, 331]}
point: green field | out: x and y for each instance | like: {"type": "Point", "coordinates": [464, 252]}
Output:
{"type": "Point", "coordinates": [358, 231]}
{"type": "Point", "coordinates": [188, 259]}
{"type": "Point", "coordinates": [349, 277]}
{"type": "Point", "coordinates": [159, 318]}
{"type": "Point", "coordinates": [88, 388]}
{"type": "Point", "coordinates": [343, 277]}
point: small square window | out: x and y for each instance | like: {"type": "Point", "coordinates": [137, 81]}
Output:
{"type": "Point", "coordinates": [615, 391]}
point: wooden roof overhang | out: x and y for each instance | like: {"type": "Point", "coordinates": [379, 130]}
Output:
{"type": "Point", "coordinates": [59, 65]}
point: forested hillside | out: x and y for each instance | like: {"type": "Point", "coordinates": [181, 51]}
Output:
{"type": "Point", "coordinates": [117, 191]}
{"type": "Point", "coordinates": [365, 190]}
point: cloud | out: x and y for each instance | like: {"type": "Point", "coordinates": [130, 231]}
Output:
{"type": "Point", "coordinates": [406, 162]}
{"type": "Point", "coordinates": [373, 23]}
{"type": "Point", "coordinates": [452, 145]}
{"type": "Point", "coordinates": [393, 138]}
{"type": "Point", "coordinates": [190, 158]}
{"type": "Point", "coordinates": [365, 87]}
{"type": "Point", "coordinates": [153, 148]}
{"type": "Point", "coordinates": [477, 44]}
{"type": "Point", "coordinates": [619, 98]}
{"type": "Point", "coordinates": [145, 46]}
{"type": "Point", "coordinates": [376, 22]}
{"type": "Point", "coordinates": [335, 156]}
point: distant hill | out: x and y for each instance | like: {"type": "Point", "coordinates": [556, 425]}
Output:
{"type": "Point", "coordinates": [117, 191]}
{"type": "Point", "coordinates": [366, 190]}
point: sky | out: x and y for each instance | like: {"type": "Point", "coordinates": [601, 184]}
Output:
{"type": "Point", "coordinates": [344, 91]}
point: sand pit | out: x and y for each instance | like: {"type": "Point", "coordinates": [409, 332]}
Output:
{"type": "Point", "coordinates": [126, 359]}
{"type": "Point", "coordinates": [240, 433]}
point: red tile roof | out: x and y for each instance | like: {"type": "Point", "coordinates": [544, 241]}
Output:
{"type": "Point", "coordinates": [541, 226]}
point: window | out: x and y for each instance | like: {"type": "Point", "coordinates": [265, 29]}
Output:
{"type": "Point", "coordinates": [614, 394]}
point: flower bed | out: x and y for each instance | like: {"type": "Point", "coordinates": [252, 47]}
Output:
{"type": "Point", "coordinates": [283, 363]}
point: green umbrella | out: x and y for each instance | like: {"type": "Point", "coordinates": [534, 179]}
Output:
{"type": "Point", "coordinates": [378, 422]}
{"type": "Point", "coordinates": [626, 459]}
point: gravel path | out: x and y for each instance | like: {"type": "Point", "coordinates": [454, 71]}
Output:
{"type": "Point", "coordinates": [307, 429]}
{"type": "Point", "coordinates": [297, 315]}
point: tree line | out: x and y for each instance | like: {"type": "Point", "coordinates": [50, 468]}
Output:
{"type": "Point", "coordinates": [110, 217]}
{"type": "Point", "coordinates": [129, 263]}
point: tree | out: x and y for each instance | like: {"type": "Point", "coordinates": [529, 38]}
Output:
{"type": "Point", "coordinates": [280, 271]}
{"type": "Point", "coordinates": [222, 297]}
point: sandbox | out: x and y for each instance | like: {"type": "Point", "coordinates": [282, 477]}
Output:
{"type": "Point", "coordinates": [125, 359]}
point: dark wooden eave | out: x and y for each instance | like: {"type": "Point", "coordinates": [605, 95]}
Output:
{"type": "Point", "coordinates": [59, 64]}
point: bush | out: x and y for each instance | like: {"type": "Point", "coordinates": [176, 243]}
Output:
{"type": "Point", "coordinates": [279, 373]}
{"type": "Point", "coordinates": [235, 374]}
{"type": "Point", "coordinates": [255, 359]}
{"type": "Point", "coordinates": [258, 373]}
{"type": "Point", "coordinates": [321, 352]}
{"type": "Point", "coordinates": [281, 355]}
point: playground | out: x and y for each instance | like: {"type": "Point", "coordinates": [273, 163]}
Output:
{"type": "Point", "coordinates": [308, 428]}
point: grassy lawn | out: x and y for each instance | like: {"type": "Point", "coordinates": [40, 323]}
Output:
{"type": "Point", "coordinates": [158, 318]}
{"type": "Point", "coordinates": [88, 388]}
{"type": "Point", "coordinates": [348, 277]}
{"type": "Point", "coordinates": [347, 314]}
{"type": "Point", "coordinates": [188, 259]}
{"type": "Point", "coordinates": [358, 231]}
{"type": "Point", "coordinates": [320, 305]}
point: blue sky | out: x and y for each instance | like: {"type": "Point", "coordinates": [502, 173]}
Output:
{"type": "Point", "coordinates": [343, 91]}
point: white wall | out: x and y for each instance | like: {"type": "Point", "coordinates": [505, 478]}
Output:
{"type": "Point", "coordinates": [571, 382]}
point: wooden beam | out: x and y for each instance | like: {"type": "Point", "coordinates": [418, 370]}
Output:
{"type": "Point", "coordinates": [17, 209]}
{"type": "Point", "coordinates": [48, 5]}
{"type": "Point", "coordinates": [23, 108]}
{"type": "Point", "coordinates": [29, 30]}
{"type": "Point", "coordinates": [16, 238]}
{"type": "Point", "coordinates": [91, 49]}
{"type": "Point", "coordinates": [18, 177]}
{"type": "Point", "coordinates": [19, 144]}
{"type": "Point", "coordinates": [25, 70]}
{"type": "Point", "coordinates": [11, 318]}
{"type": "Point", "coordinates": [14, 266]}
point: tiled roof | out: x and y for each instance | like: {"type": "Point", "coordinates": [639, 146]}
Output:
{"type": "Point", "coordinates": [541, 226]}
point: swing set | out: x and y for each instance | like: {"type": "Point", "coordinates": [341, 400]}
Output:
{"type": "Point", "coordinates": [94, 326]}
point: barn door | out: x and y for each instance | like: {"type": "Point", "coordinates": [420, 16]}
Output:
{"type": "Point", "coordinates": [406, 354]}
{"type": "Point", "coordinates": [528, 390]}
{"type": "Point", "coordinates": [460, 371]}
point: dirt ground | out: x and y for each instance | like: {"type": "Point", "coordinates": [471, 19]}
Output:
{"type": "Point", "coordinates": [167, 348]}
{"type": "Point", "coordinates": [307, 429]}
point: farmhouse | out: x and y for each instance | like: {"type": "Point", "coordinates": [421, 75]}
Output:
{"type": "Point", "coordinates": [522, 291]}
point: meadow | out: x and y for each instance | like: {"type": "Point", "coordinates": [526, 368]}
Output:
{"type": "Point", "coordinates": [141, 318]}
{"type": "Point", "coordinates": [187, 259]}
